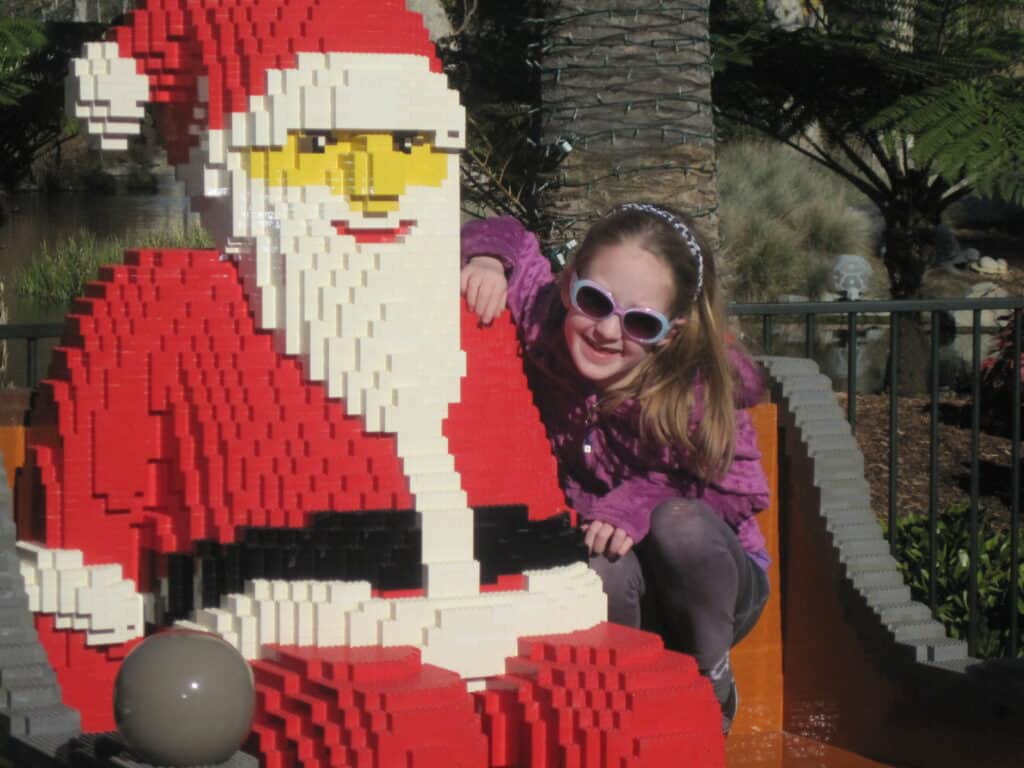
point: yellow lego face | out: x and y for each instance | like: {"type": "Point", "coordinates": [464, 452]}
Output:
{"type": "Point", "coordinates": [371, 170]}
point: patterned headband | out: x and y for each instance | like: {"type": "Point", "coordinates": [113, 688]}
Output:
{"type": "Point", "coordinates": [684, 232]}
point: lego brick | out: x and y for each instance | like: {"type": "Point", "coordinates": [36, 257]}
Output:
{"type": "Point", "coordinates": [821, 434]}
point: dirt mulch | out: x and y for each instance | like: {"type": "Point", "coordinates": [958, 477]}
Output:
{"type": "Point", "coordinates": [914, 460]}
{"type": "Point", "coordinates": [954, 424]}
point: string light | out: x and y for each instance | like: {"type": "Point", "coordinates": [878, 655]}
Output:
{"type": "Point", "coordinates": [603, 80]}
{"type": "Point", "coordinates": [612, 78]}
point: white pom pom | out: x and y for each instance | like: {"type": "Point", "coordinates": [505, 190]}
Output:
{"type": "Point", "coordinates": [108, 94]}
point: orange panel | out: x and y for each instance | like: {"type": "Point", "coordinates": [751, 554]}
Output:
{"type": "Point", "coordinates": [847, 683]}
{"type": "Point", "coordinates": [757, 660]}
{"type": "Point", "coordinates": [14, 404]}
{"type": "Point", "coordinates": [12, 446]}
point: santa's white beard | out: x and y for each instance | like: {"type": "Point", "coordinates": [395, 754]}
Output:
{"type": "Point", "coordinates": [378, 323]}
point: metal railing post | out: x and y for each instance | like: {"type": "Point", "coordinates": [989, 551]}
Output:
{"type": "Point", "coordinates": [894, 433]}
{"type": "Point", "coordinates": [766, 334]}
{"type": "Point", "coordinates": [972, 521]}
{"type": "Point", "coordinates": [851, 370]}
{"type": "Point", "coordinates": [30, 362]}
{"type": "Point", "coordinates": [933, 465]}
{"type": "Point", "coordinates": [1015, 416]}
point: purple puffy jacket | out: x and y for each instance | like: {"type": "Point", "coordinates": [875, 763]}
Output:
{"type": "Point", "coordinates": [621, 479]}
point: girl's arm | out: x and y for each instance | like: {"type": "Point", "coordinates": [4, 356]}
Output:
{"type": "Point", "coordinates": [736, 497]}
{"type": "Point", "coordinates": [628, 505]}
{"type": "Point", "coordinates": [530, 280]}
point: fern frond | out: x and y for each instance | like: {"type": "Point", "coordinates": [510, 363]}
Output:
{"type": "Point", "coordinates": [965, 130]}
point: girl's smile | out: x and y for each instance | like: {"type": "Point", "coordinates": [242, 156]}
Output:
{"type": "Point", "coordinates": [636, 278]}
{"type": "Point", "coordinates": [600, 351]}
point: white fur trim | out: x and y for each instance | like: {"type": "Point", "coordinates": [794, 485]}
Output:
{"type": "Point", "coordinates": [107, 93]}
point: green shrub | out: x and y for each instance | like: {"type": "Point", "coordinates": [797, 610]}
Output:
{"type": "Point", "coordinates": [58, 275]}
{"type": "Point", "coordinates": [952, 573]}
{"type": "Point", "coordinates": [783, 219]}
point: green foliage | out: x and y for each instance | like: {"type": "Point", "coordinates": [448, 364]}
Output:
{"type": "Point", "coordinates": [915, 102]}
{"type": "Point", "coordinates": [782, 218]}
{"type": "Point", "coordinates": [492, 62]}
{"type": "Point", "coordinates": [32, 93]}
{"type": "Point", "coordinates": [57, 275]}
{"type": "Point", "coordinates": [18, 39]}
{"type": "Point", "coordinates": [952, 573]}
{"type": "Point", "coordinates": [966, 130]}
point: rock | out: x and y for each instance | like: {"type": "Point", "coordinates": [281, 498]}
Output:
{"type": "Point", "coordinates": [945, 282]}
{"type": "Point", "coordinates": [828, 296]}
{"type": "Point", "coordinates": [986, 265]}
{"type": "Point", "coordinates": [985, 291]}
{"type": "Point", "coordinates": [947, 247]}
{"type": "Point", "coordinates": [872, 359]}
{"type": "Point", "coordinates": [873, 373]}
{"type": "Point", "coordinates": [791, 15]}
{"type": "Point", "coordinates": [962, 260]}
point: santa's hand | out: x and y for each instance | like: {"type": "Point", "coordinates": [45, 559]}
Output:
{"type": "Point", "coordinates": [605, 539]}
{"type": "Point", "coordinates": [93, 598]}
{"type": "Point", "coordinates": [485, 287]}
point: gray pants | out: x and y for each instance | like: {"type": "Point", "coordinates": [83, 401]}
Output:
{"type": "Point", "coordinates": [689, 580]}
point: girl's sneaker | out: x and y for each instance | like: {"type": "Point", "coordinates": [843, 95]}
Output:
{"type": "Point", "coordinates": [724, 685]}
{"type": "Point", "coordinates": [729, 708]}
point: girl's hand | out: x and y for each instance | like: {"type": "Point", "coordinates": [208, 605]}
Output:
{"type": "Point", "coordinates": [485, 287]}
{"type": "Point", "coordinates": [605, 539]}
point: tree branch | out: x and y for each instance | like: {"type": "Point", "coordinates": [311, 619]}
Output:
{"type": "Point", "coordinates": [873, 178]}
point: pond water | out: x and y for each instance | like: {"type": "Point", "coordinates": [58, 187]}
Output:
{"type": "Point", "coordinates": [37, 219]}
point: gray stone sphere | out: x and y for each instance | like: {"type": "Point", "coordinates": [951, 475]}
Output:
{"type": "Point", "coordinates": [184, 698]}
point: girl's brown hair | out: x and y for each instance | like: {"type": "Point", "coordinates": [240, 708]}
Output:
{"type": "Point", "coordinates": [663, 382]}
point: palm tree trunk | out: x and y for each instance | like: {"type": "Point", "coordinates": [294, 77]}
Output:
{"type": "Point", "coordinates": [913, 212]}
{"type": "Point", "coordinates": [626, 91]}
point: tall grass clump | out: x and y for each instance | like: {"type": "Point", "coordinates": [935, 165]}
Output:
{"type": "Point", "coordinates": [783, 220]}
{"type": "Point", "coordinates": [57, 274]}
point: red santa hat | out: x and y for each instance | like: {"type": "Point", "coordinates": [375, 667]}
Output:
{"type": "Point", "coordinates": [206, 59]}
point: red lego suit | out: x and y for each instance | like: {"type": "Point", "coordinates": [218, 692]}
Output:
{"type": "Point", "coordinates": [169, 418]}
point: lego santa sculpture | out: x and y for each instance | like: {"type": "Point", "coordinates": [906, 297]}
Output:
{"type": "Point", "coordinates": [317, 368]}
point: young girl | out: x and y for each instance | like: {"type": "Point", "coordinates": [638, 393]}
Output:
{"type": "Point", "coordinates": [639, 390]}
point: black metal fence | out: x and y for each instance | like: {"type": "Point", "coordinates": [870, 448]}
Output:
{"type": "Point", "coordinates": [851, 314]}
{"type": "Point", "coordinates": [31, 334]}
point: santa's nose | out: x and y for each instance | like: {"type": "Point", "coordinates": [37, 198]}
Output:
{"type": "Point", "coordinates": [371, 170]}
{"type": "Point", "coordinates": [380, 167]}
